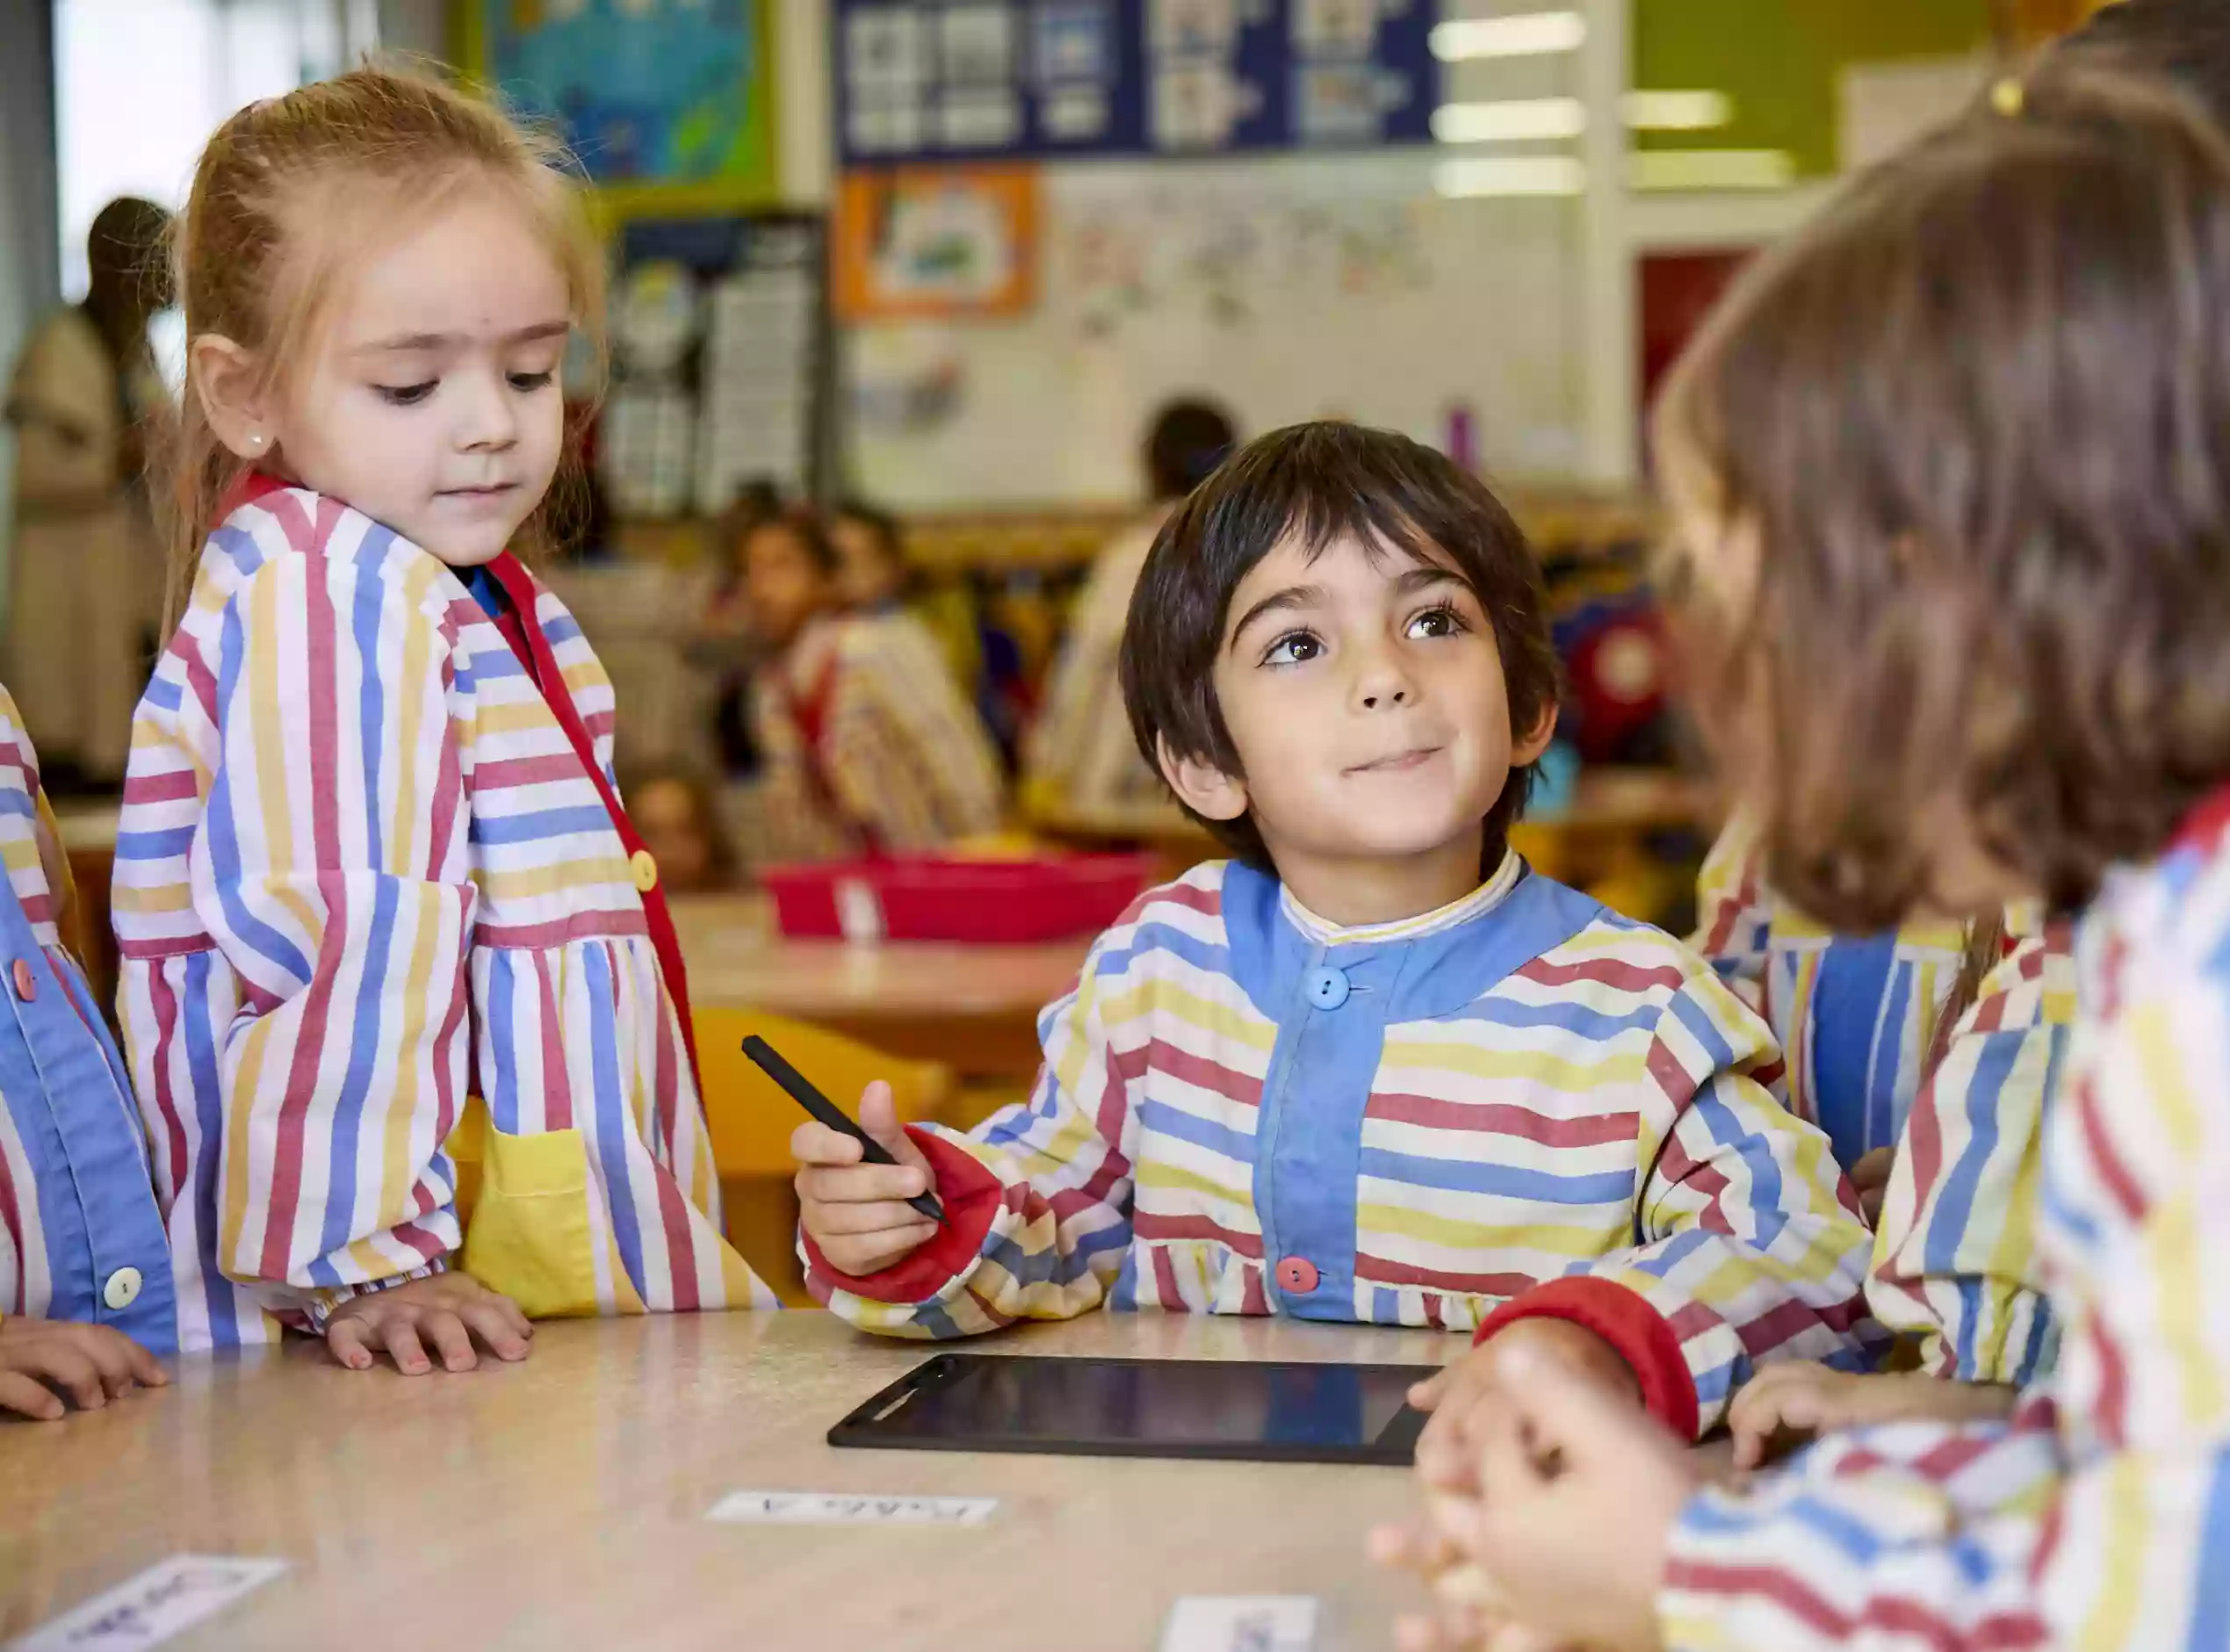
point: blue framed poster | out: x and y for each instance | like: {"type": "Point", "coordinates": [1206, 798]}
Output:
{"type": "Point", "coordinates": [983, 80]}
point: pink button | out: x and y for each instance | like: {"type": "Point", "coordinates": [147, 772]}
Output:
{"type": "Point", "coordinates": [26, 985]}
{"type": "Point", "coordinates": [1297, 1274]}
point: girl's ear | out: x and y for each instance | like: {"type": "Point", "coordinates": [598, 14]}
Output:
{"type": "Point", "coordinates": [1201, 787]}
{"type": "Point", "coordinates": [224, 378]}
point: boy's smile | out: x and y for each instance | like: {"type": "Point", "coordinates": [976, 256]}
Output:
{"type": "Point", "coordinates": [1364, 695]}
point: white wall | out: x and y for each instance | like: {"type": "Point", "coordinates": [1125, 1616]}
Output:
{"type": "Point", "coordinates": [1287, 288]}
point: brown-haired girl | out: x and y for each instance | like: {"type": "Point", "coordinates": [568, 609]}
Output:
{"type": "Point", "coordinates": [371, 858]}
{"type": "Point", "coordinates": [1953, 469]}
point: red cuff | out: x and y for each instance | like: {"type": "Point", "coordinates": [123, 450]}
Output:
{"type": "Point", "coordinates": [1642, 1336]}
{"type": "Point", "coordinates": [971, 1196]}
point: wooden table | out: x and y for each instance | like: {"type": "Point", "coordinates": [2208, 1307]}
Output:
{"type": "Point", "coordinates": [973, 1008]}
{"type": "Point", "coordinates": [560, 1502]}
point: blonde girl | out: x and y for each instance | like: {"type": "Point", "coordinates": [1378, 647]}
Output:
{"type": "Point", "coordinates": [372, 862]}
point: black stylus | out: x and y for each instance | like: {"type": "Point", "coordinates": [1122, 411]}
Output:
{"type": "Point", "coordinates": [764, 1057]}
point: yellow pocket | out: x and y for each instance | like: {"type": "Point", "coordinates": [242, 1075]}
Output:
{"type": "Point", "coordinates": [528, 1235]}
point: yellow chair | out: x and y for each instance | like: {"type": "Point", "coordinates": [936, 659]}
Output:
{"type": "Point", "coordinates": [750, 1121]}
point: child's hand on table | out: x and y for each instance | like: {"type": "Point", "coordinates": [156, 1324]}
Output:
{"type": "Point", "coordinates": [1477, 1378]}
{"type": "Point", "coordinates": [1787, 1404]}
{"type": "Point", "coordinates": [1571, 1493]}
{"type": "Point", "coordinates": [450, 1309]}
{"type": "Point", "coordinates": [857, 1213]}
{"type": "Point", "coordinates": [92, 1364]}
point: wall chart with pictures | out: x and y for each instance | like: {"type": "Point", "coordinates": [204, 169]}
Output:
{"type": "Point", "coordinates": [721, 358]}
{"type": "Point", "coordinates": [987, 80]}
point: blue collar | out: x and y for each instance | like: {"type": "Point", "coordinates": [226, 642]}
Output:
{"type": "Point", "coordinates": [1437, 972]}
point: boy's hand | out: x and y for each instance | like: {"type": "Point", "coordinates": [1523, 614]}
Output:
{"type": "Point", "coordinates": [448, 1310]}
{"type": "Point", "coordinates": [1787, 1404]}
{"type": "Point", "coordinates": [1576, 1493]}
{"type": "Point", "coordinates": [857, 1213]}
{"type": "Point", "coordinates": [1572, 1351]}
{"type": "Point", "coordinates": [42, 1360]}
{"type": "Point", "coordinates": [1870, 1181]}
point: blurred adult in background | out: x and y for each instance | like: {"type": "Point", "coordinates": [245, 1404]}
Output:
{"type": "Point", "coordinates": [1081, 756]}
{"type": "Point", "coordinates": [866, 748]}
{"type": "Point", "coordinates": [86, 579]}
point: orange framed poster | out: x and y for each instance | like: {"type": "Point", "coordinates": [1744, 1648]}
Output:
{"type": "Point", "coordinates": [916, 242]}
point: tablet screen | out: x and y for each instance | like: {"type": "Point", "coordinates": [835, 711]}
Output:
{"type": "Point", "coordinates": [1180, 1407]}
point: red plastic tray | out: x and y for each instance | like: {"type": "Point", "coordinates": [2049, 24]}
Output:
{"type": "Point", "coordinates": [988, 902]}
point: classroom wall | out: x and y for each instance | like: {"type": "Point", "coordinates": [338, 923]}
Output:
{"type": "Point", "coordinates": [1287, 288]}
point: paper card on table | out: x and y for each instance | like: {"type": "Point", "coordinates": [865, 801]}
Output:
{"type": "Point", "coordinates": [1241, 1623]}
{"type": "Point", "coordinates": [169, 1597]}
{"type": "Point", "coordinates": [825, 1508]}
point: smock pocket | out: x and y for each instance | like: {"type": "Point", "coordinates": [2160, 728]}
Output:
{"type": "Point", "coordinates": [529, 1234]}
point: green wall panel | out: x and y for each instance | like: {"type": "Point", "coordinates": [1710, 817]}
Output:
{"type": "Point", "coordinates": [1779, 61]}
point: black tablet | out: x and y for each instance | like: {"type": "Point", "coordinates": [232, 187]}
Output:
{"type": "Point", "coordinates": [1231, 1411]}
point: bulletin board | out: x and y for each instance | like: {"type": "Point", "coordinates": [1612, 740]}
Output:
{"type": "Point", "coordinates": [998, 80]}
{"type": "Point", "coordinates": [668, 104]}
{"type": "Point", "coordinates": [1284, 289]}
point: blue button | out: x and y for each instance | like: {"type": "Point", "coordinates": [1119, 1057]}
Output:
{"type": "Point", "coordinates": [1328, 988]}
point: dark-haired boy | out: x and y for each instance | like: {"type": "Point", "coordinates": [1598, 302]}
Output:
{"type": "Point", "coordinates": [1372, 1068]}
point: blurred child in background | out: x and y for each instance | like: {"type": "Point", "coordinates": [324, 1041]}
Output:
{"type": "Point", "coordinates": [867, 749]}
{"type": "Point", "coordinates": [678, 819]}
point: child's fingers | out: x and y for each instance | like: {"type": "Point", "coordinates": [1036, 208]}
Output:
{"type": "Point", "coordinates": [855, 1220]}
{"type": "Point", "coordinates": [26, 1396]}
{"type": "Point", "coordinates": [144, 1367]}
{"type": "Point", "coordinates": [104, 1349]}
{"type": "Point", "coordinates": [399, 1338]}
{"type": "Point", "coordinates": [1446, 1459]}
{"type": "Point", "coordinates": [873, 1253]}
{"type": "Point", "coordinates": [862, 1185]}
{"type": "Point", "coordinates": [1753, 1419]}
{"type": "Point", "coordinates": [1426, 1396]}
{"type": "Point", "coordinates": [813, 1143]}
{"type": "Point", "coordinates": [1416, 1546]}
{"type": "Point", "coordinates": [879, 1118]}
{"type": "Point", "coordinates": [452, 1342]}
{"type": "Point", "coordinates": [66, 1366]}
{"type": "Point", "coordinates": [349, 1341]}
{"type": "Point", "coordinates": [1427, 1634]}
{"type": "Point", "coordinates": [501, 1324]}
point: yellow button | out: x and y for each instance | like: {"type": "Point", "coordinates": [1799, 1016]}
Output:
{"type": "Point", "coordinates": [644, 865]}
{"type": "Point", "coordinates": [122, 1289]}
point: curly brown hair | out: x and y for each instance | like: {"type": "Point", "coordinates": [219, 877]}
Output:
{"type": "Point", "coordinates": [1976, 417]}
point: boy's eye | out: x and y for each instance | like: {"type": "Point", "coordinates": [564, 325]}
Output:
{"type": "Point", "coordinates": [406, 395]}
{"type": "Point", "coordinates": [532, 381]}
{"type": "Point", "coordinates": [1437, 621]}
{"type": "Point", "coordinates": [1293, 649]}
